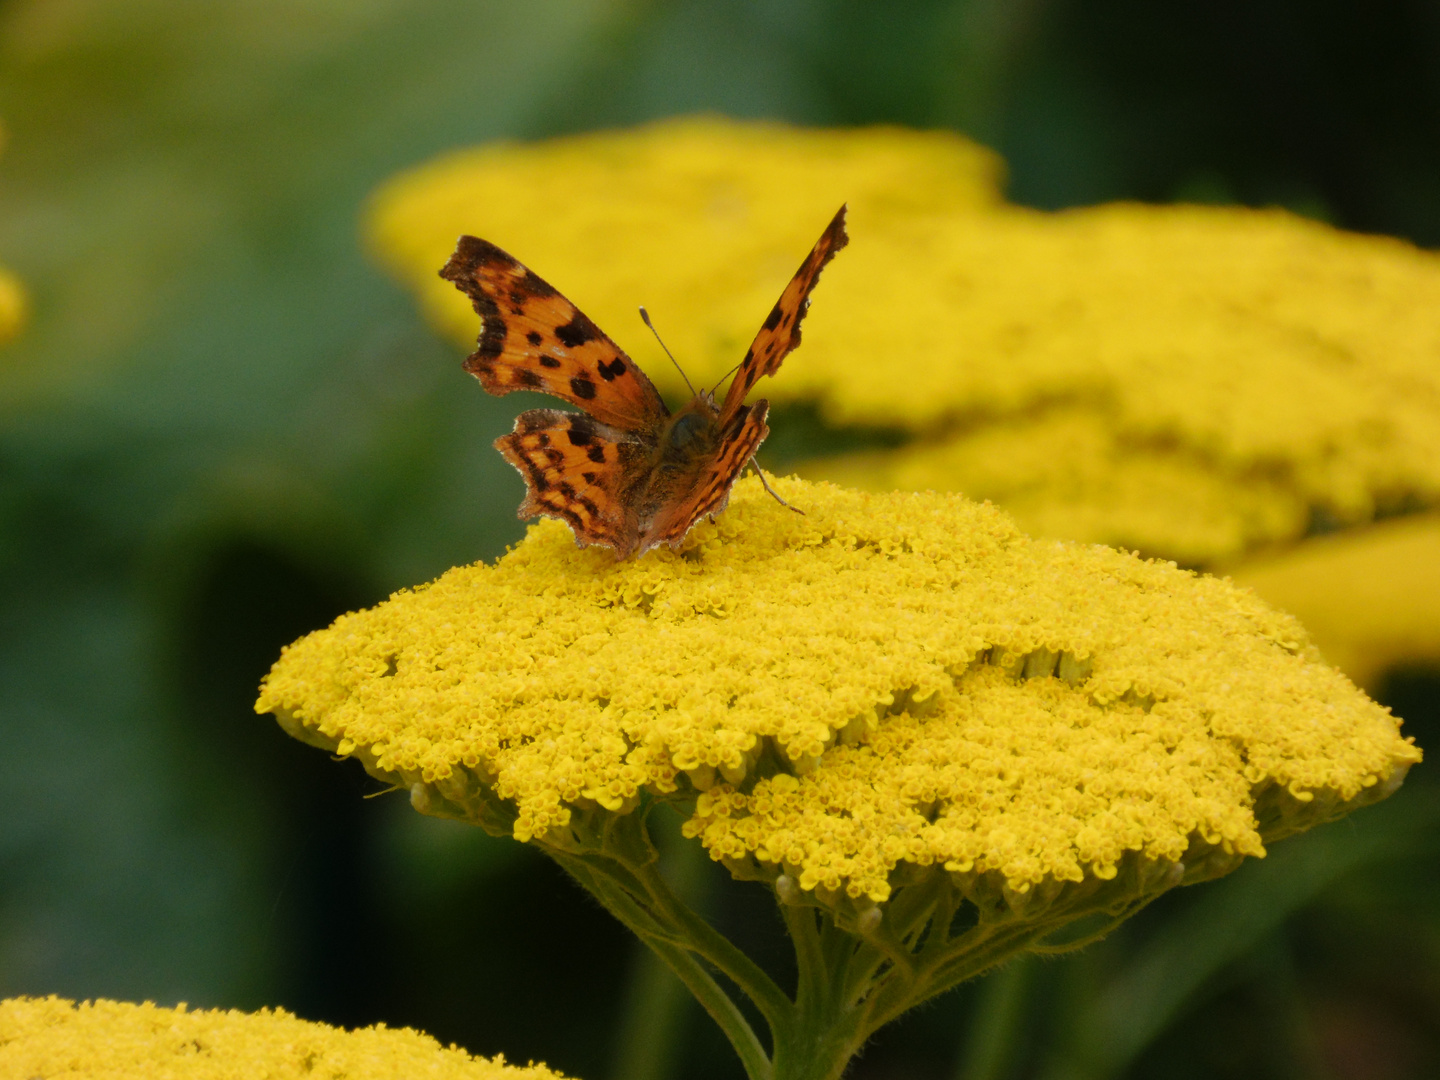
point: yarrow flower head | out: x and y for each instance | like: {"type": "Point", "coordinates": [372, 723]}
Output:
{"type": "Point", "coordinates": [897, 709]}
{"type": "Point", "coordinates": [42, 1037]}
{"type": "Point", "coordinates": [700, 219]}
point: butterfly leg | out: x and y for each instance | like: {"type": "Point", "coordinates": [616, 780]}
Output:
{"type": "Point", "coordinates": [761, 473]}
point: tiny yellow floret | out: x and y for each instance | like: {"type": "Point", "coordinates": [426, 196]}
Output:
{"type": "Point", "coordinates": [890, 680]}
{"type": "Point", "coordinates": [117, 1040]}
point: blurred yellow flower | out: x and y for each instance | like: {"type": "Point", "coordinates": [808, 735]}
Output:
{"type": "Point", "coordinates": [13, 306]}
{"type": "Point", "coordinates": [703, 220]}
{"type": "Point", "coordinates": [1370, 598]}
{"type": "Point", "coordinates": [888, 681]}
{"type": "Point", "coordinates": [51, 1037]}
{"type": "Point", "coordinates": [1195, 382]}
{"type": "Point", "coordinates": [13, 303]}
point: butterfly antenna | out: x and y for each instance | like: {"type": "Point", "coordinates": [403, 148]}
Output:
{"type": "Point", "coordinates": [645, 315]}
{"type": "Point", "coordinates": [727, 375]}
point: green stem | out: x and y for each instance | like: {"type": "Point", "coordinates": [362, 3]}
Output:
{"type": "Point", "coordinates": [800, 920]}
{"type": "Point", "coordinates": [677, 956]}
{"type": "Point", "coordinates": [706, 941]}
{"type": "Point", "coordinates": [721, 1008]}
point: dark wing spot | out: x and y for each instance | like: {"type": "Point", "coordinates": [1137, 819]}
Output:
{"type": "Point", "coordinates": [577, 331]}
{"type": "Point", "coordinates": [517, 297]}
{"type": "Point", "coordinates": [596, 454]}
{"type": "Point", "coordinates": [526, 377]}
{"type": "Point", "coordinates": [492, 337]}
{"type": "Point", "coordinates": [534, 338]}
{"type": "Point", "coordinates": [546, 361]}
{"type": "Point", "coordinates": [612, 369]}
{"type": "Point", "coordinates": [773, 319]}
{"type": "Point", "coordinates": [578, 436]}
{"type": "Point", "coordinates": [582, 388]}
{"type": "Point", "coordinates": [534, 285]}
{"type": "Point", "coordinates": [589, 477]}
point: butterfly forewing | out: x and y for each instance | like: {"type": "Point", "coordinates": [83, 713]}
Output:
{"type": "Point", "coordinates": [580, 471]}
{"type": "Point", "coordinates": [532, 338]}
{"type": "Point", "coordinates": [780, 334]}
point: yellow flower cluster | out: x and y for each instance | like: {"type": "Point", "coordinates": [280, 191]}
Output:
{"type": "Point", "coordinates": [13, 302]}
{"type": "Point", "coordinates": [52, 1037]}
{"type": "Point", "coordinates": [13, 306]}
{"type": "Point", "coordinates": [1369, 598]}
{"type": "Point", "coordinates": [887, 680]}
{"type": "Point", "coordinates": [703, 220]}
{"type": "Point", "coordinates": [1195, 382]}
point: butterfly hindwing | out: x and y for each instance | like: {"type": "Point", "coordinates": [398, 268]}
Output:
{"type": "Point", "coordinates": [578, 470]}
{"type": "Point", "coordinates": [707, 489]}
{"type": "Point", "coordinates": [532, 338]}
{"type": "Point", "coordinates": [780, 334]}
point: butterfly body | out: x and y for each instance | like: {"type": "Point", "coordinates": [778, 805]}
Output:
{"type": "Point", "coordinates": [626, 472]}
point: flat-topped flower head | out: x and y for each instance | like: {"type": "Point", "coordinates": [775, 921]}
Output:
{"type": "Point", "coordinates": [941, 742]}
{"type": "Point", "coordinates": [888, 680]}
{"type": "Point", "coordinates": [701, 219]}
{"type": "Point", "coordinates": [1198, 382]}
{"type": "Point", "coordinates": [44, 1037]}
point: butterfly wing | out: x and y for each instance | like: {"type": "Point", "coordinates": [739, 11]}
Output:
{"type": "Point", "coordinates": [707, 489]}
{"type": "Point", "coordinates": [580, 471]}
{"type": "Point", "coordinates": [780, 334]}
{"type": "Point", "coordinates": [532, 338]}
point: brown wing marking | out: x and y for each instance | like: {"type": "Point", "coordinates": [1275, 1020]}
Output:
{"type": "Point", "coordinates": [780, 334]}
{"type": "Point", "coordinates": [578, 470]}
{"type": "Point", "coordinates": [532, 338]}
{"type": "Point", "coordinates": [709, 490]}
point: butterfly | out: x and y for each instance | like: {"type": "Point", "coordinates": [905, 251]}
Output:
{"type": "Point", "coordinates": [626, 472]}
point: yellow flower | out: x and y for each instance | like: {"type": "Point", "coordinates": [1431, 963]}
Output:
{"type": "Point", "coordinates": [45, 1037]}
{"type": "Point", "coordinates": [13, 303]}
{"type": "Point", "coordinates": [941, 742]}
{"type": "Point", "coordinates": [13, 306]}
{"type": "Point", "coordinates": [1197, 382]}
{"type": "Point", "coordinates": [703, 220]}
{"type": "Point", "coordinates": [1369, 597]}
{"type": "Point", "coordinates": [887, 680]}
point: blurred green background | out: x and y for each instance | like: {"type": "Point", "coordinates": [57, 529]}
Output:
{"type": "Point", "coordinates": [223, 427]}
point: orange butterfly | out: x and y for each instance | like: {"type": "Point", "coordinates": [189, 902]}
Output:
{"type": "Point", "coordinates": [626, 472]}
